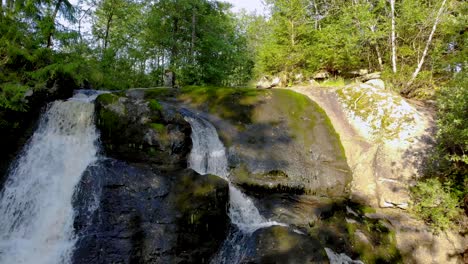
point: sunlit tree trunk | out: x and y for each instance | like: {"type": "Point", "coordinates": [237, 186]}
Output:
{"type": "Point", "coordinates": [408, 88]}
{"type": "Point", "coordinates": [394, 60]}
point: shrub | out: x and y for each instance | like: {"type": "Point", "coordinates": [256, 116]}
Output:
{"type": "Point", "coordinates": [438, 198]}
{"type": "Point", "coordinates": [436, 204]}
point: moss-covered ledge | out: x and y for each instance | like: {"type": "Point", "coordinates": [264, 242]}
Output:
{"type": "Point", "coordinates": [143, 130]}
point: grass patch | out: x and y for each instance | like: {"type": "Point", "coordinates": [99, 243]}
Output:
{"type": "Point", "coordinates": [334, 82]}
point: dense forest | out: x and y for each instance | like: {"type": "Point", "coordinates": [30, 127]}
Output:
{"type": "Point", "coordinates": [420, 46]}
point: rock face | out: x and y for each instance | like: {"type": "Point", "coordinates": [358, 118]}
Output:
{"type": "Point", "coordinates": [278, 244]}
{"type": "Point", "coordinates": [385, 162]}
{"type": "Point", "coordinates": [140, 130]}
{"type": "Point", "coordinates": [277, 141]}
{"type": "Point", "coordinates": [398, 131]}
{"type": "Point", "coordinates": [129, 214]}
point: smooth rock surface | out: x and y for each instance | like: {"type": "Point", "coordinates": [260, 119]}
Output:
{"type": "Point", "coordinates": [130, 214]}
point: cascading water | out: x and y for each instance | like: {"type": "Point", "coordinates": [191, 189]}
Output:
{"type": "Point", "coordinates": [208, 156]}
{"type": "Point", "coordinates": [36, 213]}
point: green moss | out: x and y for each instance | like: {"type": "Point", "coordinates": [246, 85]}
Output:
{"type": "Point", "coordinates": [108, 121]}
{"type": "Point", "coordinates": [154, 105]}
{"type": "Point", "coordinates": [160, 128]}
{"type": "Point", "coordinates": [160, 93]}
{"type": "Point", "coordinates": [234, 104]}
{"type": "Point", "coordinates": [369, 240]}
{"type": "Point", "coordinates": [107, 98]}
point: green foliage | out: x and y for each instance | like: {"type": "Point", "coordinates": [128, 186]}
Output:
{"type": "Point", "coordinates": [436, 204]}
{"type": "Point", "coordinates": [452, 121]}
{"type": "Point", "coordinates": [438, 198]}
{"type": "Point", "coordinates": [12, 96]}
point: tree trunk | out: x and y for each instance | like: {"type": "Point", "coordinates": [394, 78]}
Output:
{"type": "Point", "coordinates": [52, 31]}
{"type": "Point", "coordinates": [108, 25]}
{"type": "Point", "coordinates": [379, 57]}
{"type": "Point", "coordinates": [316, 15]}
{"type": "Point", "coordinates": [174, 50]}
{"type": "Point", "coordinates": [192, 44]}
{"type": "Point", "coordinates": [394, 62]}
{"type": "Point", "coordinates": [408, 88]}
{"type": "Point", "coordinates": [377, 50]}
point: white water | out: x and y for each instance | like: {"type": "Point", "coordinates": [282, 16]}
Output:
{"type": "Point", "coordinates": [208, 156]}
{"type": "Point", "coordinates": [36, 213]}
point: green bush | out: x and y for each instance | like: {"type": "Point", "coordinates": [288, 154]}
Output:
{"type": "Point", "coordinates": [438, 198]}
{"type": "Point", "coordinates": [436, 204]}
{"type": "Point", "coordinates": [452, 121]}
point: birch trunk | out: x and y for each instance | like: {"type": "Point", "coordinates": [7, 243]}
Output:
{"type": "Point", "coordinates": [394, 61]}
{"type": "Point", "coordinates": [408, 88]}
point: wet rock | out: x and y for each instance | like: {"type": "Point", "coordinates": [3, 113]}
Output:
{"type": "Point", "coordinates": [130, 214]}
{"type": "Point", "coordinates": [321, 75]}
{"type": "Point", "coordinates": [279, 244]}
{"type": "Point", "coordinates": [139, 130]}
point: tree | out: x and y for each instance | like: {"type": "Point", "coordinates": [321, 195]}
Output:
{"type": "Point", "coordinates": [408, 89]}
{"type": "Point", "coordinates": [67, 10]}
{"type": "Point", "coordinates": [394, 60]}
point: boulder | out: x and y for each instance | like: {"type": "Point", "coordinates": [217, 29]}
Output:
{"type": "Point", "coordinates": [264, 83]}
{"type": "Point", "coordinates": [377, 83]}
{"type": "Point", "coordinates": [130, 214]}
{"type": "Point", "coordinates": [298, 78]}
{"type": "Point", "coordinates": [278, 141]}
{"type": "Point", "coordinates": [321, 75]}
{"type": "Point", "coordinates": [279, 244]}
{"type": "Point", "coordinates": [360, 72]}
{"type": "Point", "coordinates": [275, 82]}
{"type": "Point", "coordinates": [370, 76]}
{"type": "Point", "coordinates": [140, 130]}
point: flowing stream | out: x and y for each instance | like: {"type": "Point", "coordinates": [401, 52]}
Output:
{"type": "Point", "coordinates": [36, 213]}
{"type": "Point", "coordinates": [208, 156]}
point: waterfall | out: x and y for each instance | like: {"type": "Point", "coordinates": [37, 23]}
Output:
{"type": "Point", "coordinates": [208, 156]}
{"type": "Point", "coordinates": [36, 213]}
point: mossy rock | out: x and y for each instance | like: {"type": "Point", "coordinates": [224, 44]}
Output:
{"type": "Point", "coordinates": [275, 130]}
{"type": "Point", "coordinates": [143, 131]}
{"type": "Point", "coordinates": [345, 227]}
